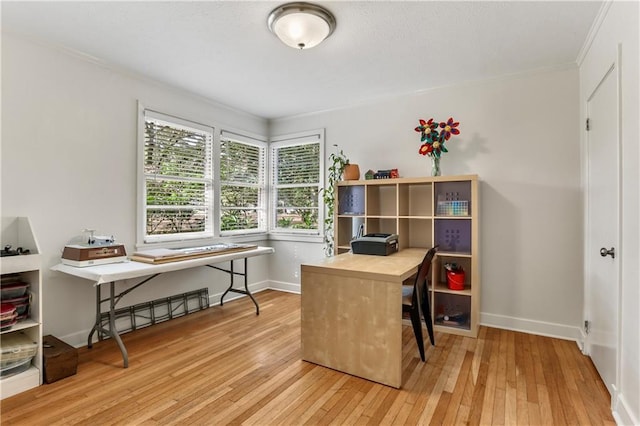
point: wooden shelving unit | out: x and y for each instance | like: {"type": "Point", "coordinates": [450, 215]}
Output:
{"type": "Point", "coordinates": [424, 212]}
{"type": "Point", "coordinates": [17, 232]}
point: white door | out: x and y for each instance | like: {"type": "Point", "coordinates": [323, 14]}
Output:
{"type": "Point", "coordinates": [602, 227]}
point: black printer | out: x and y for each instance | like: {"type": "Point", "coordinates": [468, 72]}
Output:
{"type": "Point", "coordinates": [376, 244]}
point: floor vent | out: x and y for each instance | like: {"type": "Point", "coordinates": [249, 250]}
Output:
{"type": "Point", "coordinates": [149, 313]}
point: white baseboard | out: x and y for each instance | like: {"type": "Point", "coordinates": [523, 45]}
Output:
{"type": "Point", "coordinates": [582, 343]}
{"type": "Point", "coordinates": [214, 299]}
{"type": "Point", "coordinates": [622, 412]}
{"type": "Point", "coordinates": [540, 328]}
{"type": "Point", "coordinates": [77, 339]}
{"type": "Point", "coordinates": [283, 286]}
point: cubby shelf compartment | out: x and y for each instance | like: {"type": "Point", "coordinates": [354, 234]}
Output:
{"type": "Point", "coordinates": [415, 232]}
{"type": "Point", "coordinates": [453, 235]}
{"type": "Point", "coordinates": [424, 212]}
{"type": "Point", "coordinates": [17, 232]}
{"type": "Point", "coordinates": [382, 200]}
{"type": "Point", "coordinates": [415, 199]}
{"type": "Point", "coordinates": [453, 198]}
{"type": "Point", "coordinates": [452, 311]}
{"type": "Point", "coordinates": [351, 200]}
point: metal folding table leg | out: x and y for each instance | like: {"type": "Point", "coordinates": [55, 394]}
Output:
{"type": "Point", "coordinates": [246, 291]}
{"type": "Point", "coordinates": [96, 325]}
{"type": "Point", "coordinates": [112, 324]}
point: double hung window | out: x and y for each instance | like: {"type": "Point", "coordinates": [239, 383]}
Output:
{"type": "Point", "coordinates": [243, 198]}
{"type": "Point", "coordinates": [296, 181]}
{"type": "Point", "coordinates": [177, 178]}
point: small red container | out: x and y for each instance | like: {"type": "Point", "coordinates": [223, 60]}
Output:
{"type": "Point", "coordinates": [455, 279]}
{"type": "Point", "coordinates": [7, 311]}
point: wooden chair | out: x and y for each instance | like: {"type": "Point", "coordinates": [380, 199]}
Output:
{"type": "Point", "coordinates": [415, 301]}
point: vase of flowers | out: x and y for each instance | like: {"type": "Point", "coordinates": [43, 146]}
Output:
{"type": "Point", "coordinates": [433, 135]}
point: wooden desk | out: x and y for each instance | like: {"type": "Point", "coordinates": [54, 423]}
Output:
{"type": "Point", "coordinates": [110, 273]}
{"type": "Point", "coordinates": [352, 313]}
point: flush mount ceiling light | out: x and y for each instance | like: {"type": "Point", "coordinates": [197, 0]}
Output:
{"type": "Point", "coordinates": [301, 25]}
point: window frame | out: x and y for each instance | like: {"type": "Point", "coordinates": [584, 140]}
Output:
{"type": "Point", "coordinates": [143, 239]}
{"type": "Point", "coordinates": [306, 137]}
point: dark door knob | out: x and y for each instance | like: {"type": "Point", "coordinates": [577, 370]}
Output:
{"type": "Point", "coordinates": [611, 252]}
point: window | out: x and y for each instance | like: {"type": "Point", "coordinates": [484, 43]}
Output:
{"type": "Point", "coordinates": [196, 183]}
{"type": "Point", "coordinates": [177, 179]}
{"type": "Point", "coordinates": [296, 181]}
{"type": "Point", "coordinates": [242, 184]}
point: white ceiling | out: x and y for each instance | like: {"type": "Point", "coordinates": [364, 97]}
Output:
{"type": "Point", "coordinates": [224, 51]}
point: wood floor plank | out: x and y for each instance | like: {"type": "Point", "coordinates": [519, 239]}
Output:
{"type": "Point", "coordinates": [527, 365]}
{"type": "Point", "coordinates": [553, 380]}
{"type": "Point", "coordinates": [486, 414]}
{"type": "Point", "coordinates": [501, 380]}
{"type": "Point", "coordinates": [479, 390]}
{"type": "Point", "coordinates": [458, 392]}
{"type": "Point", "coordinates": [228, 366]}
{"type": "Point", "coordinates": [536, 360]}
{"type": "Point", "coordinates": [428, 395]}
{"type": "Point", "coordinates": [340, 400]}
{"type": "Point", "coordinates": [462, 415]}
{"type": "Point", "coordinates": [522, 406]}
{"type": "Point", "coordinates": [511, 405]}
{"type": "Point", "coordinates": [383, 407]}
{"type": "Point", "coordinates": [281, 401]}
{"type": "Point", "coordinates": [364, 403]}
{"type": "Point", "coordinates": [371, 409]}
{"type": "Point", "coordinates": [309, 407]}
{"type": "Point", "coordinates": [499, 410]}
{"type": "Point", "coordinates": [544, 405]}
{"type": "Point", "coordinates": [357, 393]}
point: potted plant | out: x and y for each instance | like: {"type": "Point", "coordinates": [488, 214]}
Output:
{"type": "Point", "coordinates": [351, 171]}
{"type": "Point", "coordinates": [339, 167]}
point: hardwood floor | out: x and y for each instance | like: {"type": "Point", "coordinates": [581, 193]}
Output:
{"type": "Point", "coordinates": [225, 365]}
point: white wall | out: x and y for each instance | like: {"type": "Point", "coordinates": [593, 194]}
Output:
{"type": "Point", "coordinates": [69, 162]}
{"type": "Point", "coordinates": [620, 26]}
{"type": "Point", "coordinates": [520, 136]}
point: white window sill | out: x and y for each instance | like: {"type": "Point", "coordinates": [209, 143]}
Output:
{"type": "Point", "coordinates": [246, 238]}
{"type": "Point", "coordinates": [296, 237]}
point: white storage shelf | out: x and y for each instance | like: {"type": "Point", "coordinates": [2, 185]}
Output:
{"type": "Point", "coordinates": [17, 232]}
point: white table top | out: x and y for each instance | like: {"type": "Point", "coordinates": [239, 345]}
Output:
{"type": "Point", "coordinates": [125, 270]}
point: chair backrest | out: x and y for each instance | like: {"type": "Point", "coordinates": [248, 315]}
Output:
{"type": "Point", "coordinates": [425, 266]}
{"type": "Point", "coordinates": [419, 285]}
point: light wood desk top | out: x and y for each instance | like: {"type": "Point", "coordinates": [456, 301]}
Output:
{"type": "Point", "coordinates": [395, 267]}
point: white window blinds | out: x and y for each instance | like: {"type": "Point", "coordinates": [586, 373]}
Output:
{"type": "Point", "coordinates": [178, 178]}
{"type": "Point", "coordinates": [296, 181]}
{"type": "Point", "coordinates": [242, 184]}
